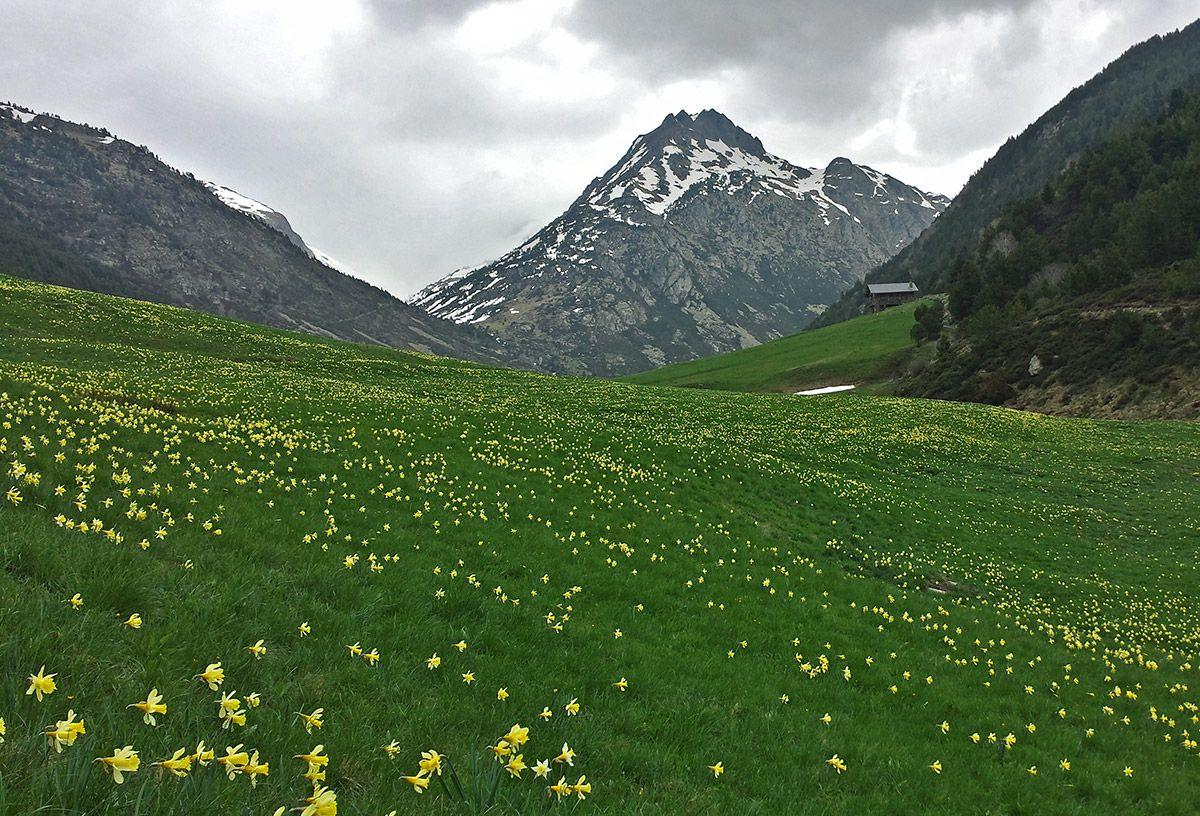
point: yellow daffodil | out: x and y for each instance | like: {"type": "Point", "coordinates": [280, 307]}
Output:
{"type": "Point", "coordinates": [304, 629]}
{"type": "Point", "coordinates": [315, 756]}
{"type": "Point", "coordinates": [323, 802]}
{"type": "Point", "coordinates": [76, 601]}
{"type": "Point", "coordinates": [1064, 764]}
{"type": "Point", "coordinates": [546, 713]}
{"type": "Point", "coordinates": [567, 755]}
{"type": "Point", "coordinates": [623, 684]}
{"type": "Point", "coordinates": [151, 706]}
{"type": "Point", "coordinates": [502, 694]}
{"type": "Point", "coordinates": [837, 763]}
{"type": "Point", "coordinates": [234, 760]}
{"type": "Point", "coordinates": [717, 769]}
{"type": "Point", "coordinates": [431, 763]}
{"type": "Point", "coordinates": [582, 787]}
{"type": "Point", "coordinates": [391, 749]}
{"type": "Point", "coordinates": [517, 735]}
{"type": "Point", "coordinates": [254, 699]}
{"type": "Point", "coordinates": [515, 765]}
{"type": "Point", "coordinates": [433, 662]}
{"type": "Point", "coordinates": [461, 645]}
{"type": "Point", "coordinates": [213, 675]}
{"type": "Point", "coordinates": [936, 766]}
{"type": "Point", "coordinates": [65, 732]}
{"type": "Point", "coordinates": [254, 769]}
{"type": "Point", "coordinates": [203, 754]}
{"type": "Point", "coordinates": [258, 649]}
{"type": "Point", "coordinates": [123, 761]}
{"type": "Point", "coordinates": [419, 783]}
{"type": "Point", "coordinates": [468, 677]}
{"type": "Point", "coordinates": [542, 769]}
{"type": "Point", "coordinates": [41, 684]}
{"type": "Point", "coordinates": [561, 788]}
{"type": "Point", "coordinates": [572, 707]}
{"type": "Point", "coordinates": [228, 704]}
{"type": "Point", "coordinates": [179, 764]}
{"type": "Point", "coordinates": [314, 720]}
{"type": "Point", "coordinates": [134, 621]}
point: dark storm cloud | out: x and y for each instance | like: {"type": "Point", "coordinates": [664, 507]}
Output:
{"type": "Point", "coordinates": [405, 15]}
{"type": "Point", "coordinates": [690, 35]}
{"type": "Point", "coordinates": [409, 137]}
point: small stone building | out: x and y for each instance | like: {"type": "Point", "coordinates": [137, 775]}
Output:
{"type": "Point", "coordinates": [882, 296]}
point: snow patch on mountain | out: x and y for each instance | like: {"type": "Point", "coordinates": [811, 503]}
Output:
{"type": "Point", "coordinates": [275, 220]}
{"type": "Point", "coordinates": [11, 111]}
{"type": "Point", "coordinates": [659, 182]}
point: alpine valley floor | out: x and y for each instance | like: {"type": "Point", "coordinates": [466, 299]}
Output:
{"type": "Point", "coordinates": [851, 606]}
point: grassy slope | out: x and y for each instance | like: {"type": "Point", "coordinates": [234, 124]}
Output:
{"type": "Point", "coordinates": [732, 539]}
{"type": "Point", "coordinates": [862, 350]}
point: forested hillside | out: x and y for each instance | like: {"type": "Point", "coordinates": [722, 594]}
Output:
{"type": "Point", "coordinates": [1086, 296]}
{"type": "Point", "coordinates": [1130, 90]}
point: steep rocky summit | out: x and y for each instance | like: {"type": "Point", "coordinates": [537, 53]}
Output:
{"type": "Point", "coordinates": [697, 241]}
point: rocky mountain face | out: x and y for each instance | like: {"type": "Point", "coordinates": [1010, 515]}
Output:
{"type": "Point", "coordinates": [82, 208]}
{"type": "Point", "coordinates": [698, 241]}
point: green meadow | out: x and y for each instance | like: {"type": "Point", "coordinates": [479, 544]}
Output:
{"type": "Point", "coordinates": [866, 349]}
{"type": "Point", "coordinates": [846, 606]}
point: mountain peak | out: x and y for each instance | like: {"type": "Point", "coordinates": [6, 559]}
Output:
{"type": "Point", "coordinates": [707, 125]}
{"type": "Point", "coordinates": [698, 240]}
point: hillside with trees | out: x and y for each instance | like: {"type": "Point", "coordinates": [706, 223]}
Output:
{"type": "Point", "coordinates": [1085, 298]}
{"type": "Point", "coordinates": [1131, 89]}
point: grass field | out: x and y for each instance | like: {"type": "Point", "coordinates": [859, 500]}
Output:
{"type": "Point", "coordinates": [855, 606]}
{"type": "Point", "coordinates": [866, 349]}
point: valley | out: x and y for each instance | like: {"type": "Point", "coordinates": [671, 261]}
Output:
{"type": "Point", "coordinates": [975, 604]}
{"type": "Point", "coordinates": [726, 484]}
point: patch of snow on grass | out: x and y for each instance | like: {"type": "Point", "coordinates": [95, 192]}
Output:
{"type": "Point", "coordinates": [829, 389]}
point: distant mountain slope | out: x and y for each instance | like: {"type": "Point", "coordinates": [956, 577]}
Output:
{"type": "Point", "coordinates": [864, 350]}
{"type": "Point", "coordinates": [1085, 299]}
{"type": "Point", "coordinates": [81, 208]}
{"type": "Point", "coordinates": [697, 241]}
{"type": "Point", "coordinates": [1130, 89]}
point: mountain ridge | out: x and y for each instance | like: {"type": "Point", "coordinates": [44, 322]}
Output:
{"type": "Point", "coordinates": [1131, 88]}
{"type": "Point", "coordinates": [696, 241]}
{"type": "Point", "coordinates": [80, 207]}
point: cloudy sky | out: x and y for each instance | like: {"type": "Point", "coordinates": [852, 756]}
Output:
{"type": "Point", "coordinates": [411, 137]}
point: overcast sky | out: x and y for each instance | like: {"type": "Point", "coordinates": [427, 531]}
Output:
{"type": "Point", "coordinates": [411, 137]}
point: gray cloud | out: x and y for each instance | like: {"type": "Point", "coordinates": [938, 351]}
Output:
{"type": "Point", "coordinates": [408, 138]}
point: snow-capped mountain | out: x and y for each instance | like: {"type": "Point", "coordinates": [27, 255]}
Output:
{"type": "Point", "coordinates": [273, 219]}
{"type": "Point", "coordinates": [697, 241]}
